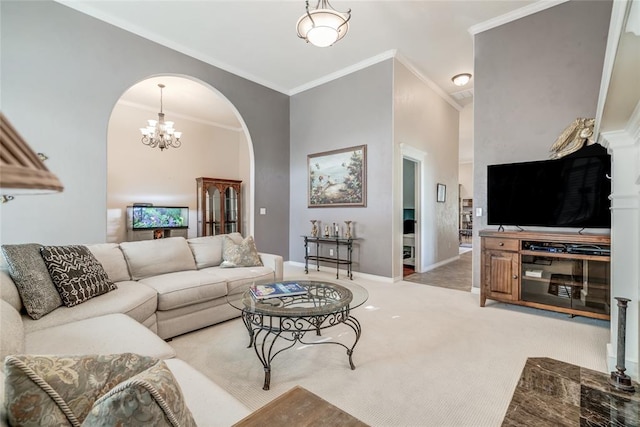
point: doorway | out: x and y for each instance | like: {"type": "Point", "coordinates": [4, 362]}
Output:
{"type": "Point", "coordinates": [410, 215]}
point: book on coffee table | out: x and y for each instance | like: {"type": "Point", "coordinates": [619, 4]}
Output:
{"type": "Point", "coordinates": [274, 290]}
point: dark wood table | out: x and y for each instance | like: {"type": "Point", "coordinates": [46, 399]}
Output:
{"type": "Point", "coordinates": [300, 408]}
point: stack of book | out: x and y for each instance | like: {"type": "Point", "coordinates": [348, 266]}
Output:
{"type": "Point", "coordinates": [277, 290]}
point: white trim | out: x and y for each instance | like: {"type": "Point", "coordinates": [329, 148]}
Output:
{"type": "Point", "coordinates": [343, 273]}
{"type": "Point", "coordinates": [149, 35]}
{"type": "Point", "coordinates": [441, 263]}
{"type": "Point", "coordinates": [437, 89]}
{"type": "Point", "coordinates": [345, 71]}
{"type": "Point", "coordinates": [618, 12]}
{"type": "Point", "coordinates": [514, 15]}
{"type": "Point", "coordinates": [181, 116]}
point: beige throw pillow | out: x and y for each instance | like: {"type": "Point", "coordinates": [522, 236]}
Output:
{"type": "Point", "coordinates": [243, 254]}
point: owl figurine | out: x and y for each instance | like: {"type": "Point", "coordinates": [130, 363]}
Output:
{"type": "Point", "coordinates": [573, 138]}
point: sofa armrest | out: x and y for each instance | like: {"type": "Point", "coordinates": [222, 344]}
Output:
{"type": "Point", "coordinates": [274, 262]}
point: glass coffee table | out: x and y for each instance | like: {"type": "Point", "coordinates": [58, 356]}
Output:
{"type": "Point", "coordinates": [277, 324]}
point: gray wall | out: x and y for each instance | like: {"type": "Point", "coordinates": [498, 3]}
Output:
{"type": "Point", "coordinates": [62, 73]}
{"type": "Point", "coordinates": [533, 77]}
{"type": "Point", "coordinates": [353, 110]}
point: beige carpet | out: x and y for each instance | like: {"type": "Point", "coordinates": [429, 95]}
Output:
{"type": "Point", "coordinates": [428, 356]}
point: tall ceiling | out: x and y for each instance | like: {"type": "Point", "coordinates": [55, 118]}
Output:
{"type": "Point", "coordinates": [257, 39]}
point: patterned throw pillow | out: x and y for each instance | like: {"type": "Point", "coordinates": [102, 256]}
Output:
{"type": "Point", "coordinates": [31, 277]}
{"type": "Point", "coordinates": [76, 273]}
{"type": "Point", "coordinates": [243, 254]}
{"type": "Point", "coordinates": [61, 390]}
{"type": "Point", "coordinates": [153, 397]}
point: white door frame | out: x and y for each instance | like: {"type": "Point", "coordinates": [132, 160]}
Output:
{"type": "Point", "coordinates": [418, 156]}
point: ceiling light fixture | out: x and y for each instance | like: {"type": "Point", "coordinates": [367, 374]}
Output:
{"type": "Point", "coordinates": [160, 133]}
{"type": "Point", "coordinates": [323, 26]}
{"type": "Point", "coordinates": [461, 79]}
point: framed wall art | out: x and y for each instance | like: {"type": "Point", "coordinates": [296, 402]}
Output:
{"type": "Point", "coordinates": [441, 193]}
{"type": "Point", "coordinates": [337, 178]}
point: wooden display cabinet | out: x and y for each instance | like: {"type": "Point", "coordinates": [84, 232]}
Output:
{"type": "Point", "coordinates": [219, 205]}
{"type": "Point", "coordinates": [563, 272]}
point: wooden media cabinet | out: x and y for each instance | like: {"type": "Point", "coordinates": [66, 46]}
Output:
{"type": "Point", "coordinates": [563, 272]}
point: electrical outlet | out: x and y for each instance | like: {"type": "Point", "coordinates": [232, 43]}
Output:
{"type": "Point", "coordinates": [330, 252]}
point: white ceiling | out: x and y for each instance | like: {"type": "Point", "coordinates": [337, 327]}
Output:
{"type": "Point", "coordinates": [257, 40]}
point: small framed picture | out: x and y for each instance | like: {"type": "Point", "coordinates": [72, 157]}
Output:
{"type": "Point", "coordinates": [441, 193]}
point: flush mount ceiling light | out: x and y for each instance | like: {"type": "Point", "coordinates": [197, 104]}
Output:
{"type": "Point", "coordinates": [159, 133]}
{"type": "Point", "coordinates": [323, 26]}
{"type": "Point", "coordinates": [461, 79]}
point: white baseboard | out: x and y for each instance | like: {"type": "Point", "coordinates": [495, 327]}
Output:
{"type": "Point", "coordinates": [343, 273]}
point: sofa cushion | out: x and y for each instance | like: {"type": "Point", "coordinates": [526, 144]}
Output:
{"type": "Point", "coordinates": [60, 390]}
{"type": "Point", "coordinates": [134, 299]}
{"type": "Point", "coordinates": [111, 333]}
{"type": "Point", "coordinates": [207, 251]}
{"type": "Point", "coordinates": [239, 279]}
{"type": "Point", "coordinates": [9, 292]}
{"type": "Point", "coordinates": [112, 259]}
{"type": "Point", "coordinates": [185, 288]}
{"type": "Point", "coordinates": [12, 336]}
{"type": "Point", "coordinates": [31, 277]}
{"type": "Point", "coordinates": [148, 258]}
{"type": "Point", "coordinates": [77, 274]}
{"type": "Point", "coordinates": [243, 254]}
{"type": "Point", "coordinates": [152, 397]}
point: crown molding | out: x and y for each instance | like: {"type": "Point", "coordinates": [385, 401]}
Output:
{"type": "Point", "coordinates": [426, 80]}
{"type": "Point", "coordinates": [149, 35]}
{"type": "Point", "coordinates": [514, 15]}
{"type": "Point", "coordinates": [344, 72]}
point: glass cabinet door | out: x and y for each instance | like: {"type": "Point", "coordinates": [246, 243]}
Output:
{"type": "Point", "coordinates": [219, 206]}
{"type": "Point", "coordinates": [231, 210]}
{"type": "Point", "coordinates": [580, 283]}
{"type": "Point", "coordinates": [213, 228]}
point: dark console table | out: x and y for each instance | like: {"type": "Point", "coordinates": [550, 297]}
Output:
{"type": "Point", "coordinates": [336, 242]}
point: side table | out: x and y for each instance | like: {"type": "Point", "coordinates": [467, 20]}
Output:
{"type": "Point", "coordinates": [336, 242]}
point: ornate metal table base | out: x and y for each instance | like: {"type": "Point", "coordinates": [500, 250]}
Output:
{"type": "Point", "coordinates": [265, 330]}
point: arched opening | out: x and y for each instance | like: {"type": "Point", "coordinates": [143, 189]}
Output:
{"type": "Point", "coordinates": [215, 143]}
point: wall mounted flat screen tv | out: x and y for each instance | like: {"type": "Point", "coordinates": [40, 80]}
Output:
{"type": "Point", "coordinates": [570, 192]}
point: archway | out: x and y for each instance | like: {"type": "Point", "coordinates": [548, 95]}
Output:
{"type": "Point", "coordinates": [215, 143]}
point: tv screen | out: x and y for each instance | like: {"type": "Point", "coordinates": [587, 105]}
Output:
{"type": "Point", "coordinates": [569, 192]}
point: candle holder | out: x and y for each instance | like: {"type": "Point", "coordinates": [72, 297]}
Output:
{"type": "Point", "coordinates": [347, 232]}
{"type": "Point", "coordinates": [314, 228]}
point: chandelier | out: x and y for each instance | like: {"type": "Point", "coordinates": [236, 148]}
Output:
{"type": "Point", "coordinates": [323, 26]}
{"type": "Point", "coordinates": [159, 133]}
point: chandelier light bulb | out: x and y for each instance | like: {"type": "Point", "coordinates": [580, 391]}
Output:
{"type": "Point", "coordinates": [323, 26]}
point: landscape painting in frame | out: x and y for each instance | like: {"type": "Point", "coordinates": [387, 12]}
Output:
{"type": "Point", "coordinates": [338, 177]}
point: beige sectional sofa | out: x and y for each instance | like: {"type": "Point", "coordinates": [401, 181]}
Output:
{"type": "Point", "coordinates": [165, 288]}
